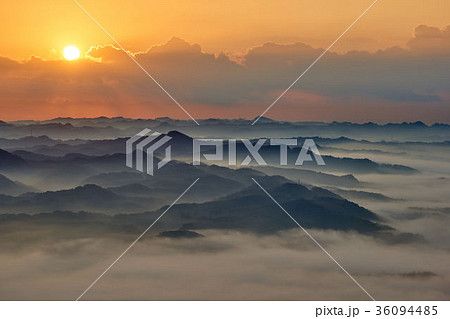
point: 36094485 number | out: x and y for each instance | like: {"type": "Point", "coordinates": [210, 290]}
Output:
{"type": "Point", "coordinates": [404, 310]}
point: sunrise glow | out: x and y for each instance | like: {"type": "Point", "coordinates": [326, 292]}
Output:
{"type": "Point", "coordinates": [71, 53]}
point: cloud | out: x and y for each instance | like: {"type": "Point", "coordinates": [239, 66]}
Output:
{"type": "Point", "coordinates": [107, 53]}
{"type": "Point", "coordinates": [108, 83]}
{"type": "Point", "coordinates": [224, 265]}
{"type": "Point", "coordinates": [431, 40]}
{"type": "Point", "coordinates": [59, 260]}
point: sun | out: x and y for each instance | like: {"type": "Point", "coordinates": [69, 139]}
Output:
{"type": "Point", "coordinates": [71, 53]}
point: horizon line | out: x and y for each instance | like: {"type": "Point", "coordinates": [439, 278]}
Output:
{"type": "Point", "coordinates": [225, 119]}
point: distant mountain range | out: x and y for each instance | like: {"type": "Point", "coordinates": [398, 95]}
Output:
{"type": "Point", "coordinates": [223, 198]}
{"type": "Point", "coordinates": [248, 210]}
{"type": "Point", "coordinates": [107, 152]}
{"type": "Point", "coordinates": [117, 189]}
{"type": "Point", "coordinates": [72, 173]}
{"type": "Point", "coordinates": [110, 128]}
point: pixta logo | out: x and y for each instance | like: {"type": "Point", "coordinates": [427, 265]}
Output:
{"type": "Point", "coordinates": [253, 151]}
{"type": "Point", "coordinates": [146, 145]}
{"type": "Point", "coordinates": [142, 147]}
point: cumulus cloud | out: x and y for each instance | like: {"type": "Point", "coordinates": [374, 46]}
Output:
{"type": "Point", "coordinates": [107, 53]}
{"type": "Point", "coordinates": [108, 83]}
{"type": "Point", "coordinates": [431, 40]}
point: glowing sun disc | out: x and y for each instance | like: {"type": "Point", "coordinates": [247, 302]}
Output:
{"type": "Point", "coordinates": [71, 53]}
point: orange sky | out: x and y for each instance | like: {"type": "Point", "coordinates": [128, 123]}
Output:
{"type": "Point", "coordinates": [44, 27]}
{"type": "Point", "coordinates": [390, 85]}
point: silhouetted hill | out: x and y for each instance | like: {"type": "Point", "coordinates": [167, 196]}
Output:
{"type": "Point", "coordinates": [361, 195]}
{"type": "Point", "coordinates": [10, 161]}
{"type": "Point", "coordinates": [252, 210]}
{"type": "Point", "coordinates": [134, 189]}
{"type": "Point", "coordinates": [9, 187]}
{"type": "Point", "coordinates": [178, 234]}
{"type": "Point", "coordinates": [312, 177]}
{"type": "Point", "coordinates": [89, 197]}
